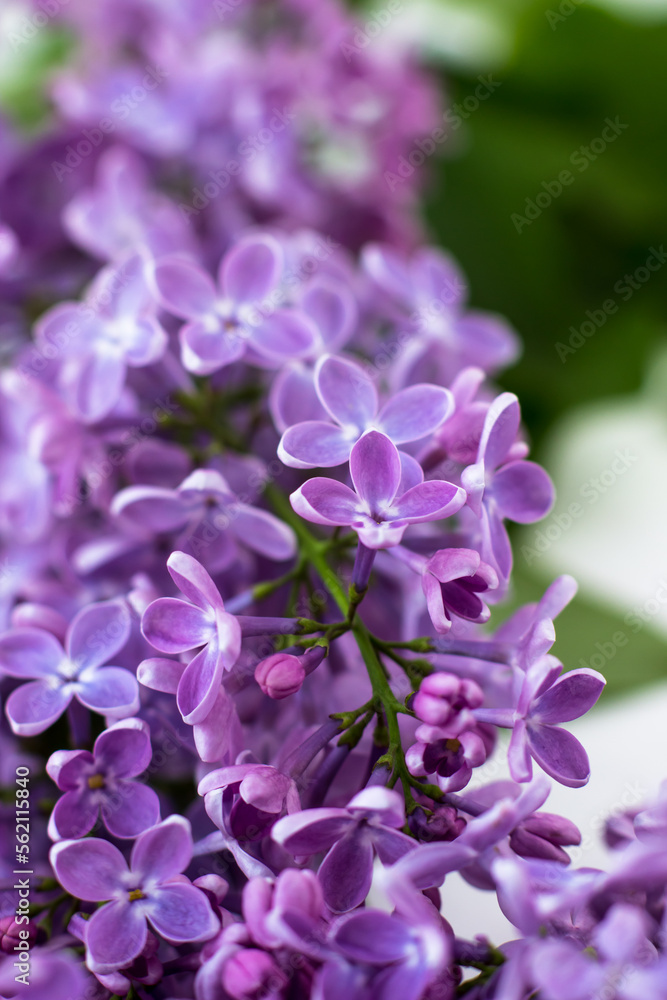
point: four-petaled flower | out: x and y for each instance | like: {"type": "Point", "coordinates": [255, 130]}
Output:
{"type": "Point", "coordinates": [150, 889]}
{"type": "Point", "coordinates": [96, 634]}
{"type": "Point", "coordinates": [390, 495]}
{"type": "Point", "coordinates": [100, 782]}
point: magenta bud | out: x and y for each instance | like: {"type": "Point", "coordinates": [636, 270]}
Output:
{"type": "Point", "coordinates": [13, 934]}
{"type": "Point", "coordinates": [252, 973]}
{"type": "Point", "coordinates": [280, 675]}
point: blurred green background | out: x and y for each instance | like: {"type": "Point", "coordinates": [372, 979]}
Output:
{"type": "Point", "coordinates": [563, 68]}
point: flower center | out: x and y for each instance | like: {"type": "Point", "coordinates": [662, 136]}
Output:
{"type": "Point", "coordinates": [96, 781]}
{"type": "Point", "coordinates": [135, 894]}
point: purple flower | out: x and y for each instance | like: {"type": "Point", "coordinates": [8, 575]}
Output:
{"type": "Point", "coordinates": [245, 799]}
{"type": "Point", "coordinates": [123, 211]}
{"type": "Point", "coordinates": [501, 485]}
{"type": "Point", "coordinates": [97, 340]}
{"type": "Point", "coordinates": [233, 320]}
{"type": "Point", "coordinates": [352, 836]}
{"type": "Point", "coordinates": [174, 626]}
{"type": "Point", "coordinates": [149, 889]}
{"type": "Point", "coordinates": [546, 698]}
{"type": "Point", "coordinates": [99, 782]}
{"type": "Point", "coordinates": [350, 399]}
{"type": "Point", "coordinates": [427, 294]}
{"type": "Point", "coordinates": [96, 634]}
{"type": "Point", "coordinates": [388, 496]}
{"type": "Point", "coordinates": [58, 975]}
{"type": "Point", "coordinates": [206, 512]}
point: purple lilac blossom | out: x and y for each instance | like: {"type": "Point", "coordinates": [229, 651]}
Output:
{"type": "Point", "coordinates": [100, 782]}
{"type": "Point", "coordinates": [149, 889]}
{"type": "Point", "coordinates": [60, 674]}
{"type": "Point", "coordinates": [386, 500]}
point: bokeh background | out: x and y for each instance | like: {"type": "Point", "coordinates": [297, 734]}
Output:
{"type": "Point", "coordinates": [560, 69]}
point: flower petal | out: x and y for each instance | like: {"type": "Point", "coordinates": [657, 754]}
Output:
{"type": "Point", "coordinates": [115, 935]}
{"type": "Point", "coordinates": [109, 690]}
{"type": "Point", "coordinates": [89, 869]}
{"type": "Point", "coordinates": [35, 706]}
{"type": "Point", "coordinates": [325, 501]}
{"type": "Point", "coordinates": [181, 912]}
{"type": "Point", "coordinates": [199, 684]}
{"type": "Point", "coordinates": [251, 269]}
{"type": "Point", "coordinates": [375, 467]}
{"type": "Point", "coordinates": [284, 334]}
{"type": "Point", "coordinates": [523, 492]}
{"type": "Point", "coordinates": [163, 851]}
{"type": "Point", "coordinates": [98, 632]}
{"type": "Point", "coordinates": [173, 626]}
{"type": "Point", "coordinates": [560, 754]}
{"type": "Point", "coordinates": [346, 873]}
{"type": "Point", "coordinates": [160, 674]}
{"type": "Point", "coordinates": [92, 383]}
{"type": "Point", "coordinates": [73, 816]}
{"type": "Point", "coordinates": [570, 697]}
{"type": "Point", "coordinates": [374, 937]}
{"type": "Point", "coordinates": [333, 309]}
{"type": "Point", "coordinates": [133, 808]}
{"type": "Point", "coordinates": [150, 507]}
{"type": "Point", "coordinates": [124, 749]}
{"type": "Point", "coordinates": [314, 444]}
{"type": "Point", "coordinates": [206, 347]}
{"type": "Point", "coordinates": [500, 430]}
{"type": "Point", "coordinates": [415, 412]}
{"type": "Point", "coordinates": [312, 831]}
{"type": "Point", "coordinates": [192, 580]}
{"type": "Point", "coordinates": [346, 392]}
{"type": "Point", "coordinates": [29, 652]}
{"type": "Point", "coordinates": [183, 288]}
{"type": "Point", "coordinates": [262, 532]}
{"type": "Point", "coordinates": [428, 501]}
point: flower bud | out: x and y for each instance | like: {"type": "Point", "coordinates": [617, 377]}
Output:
{"type": "Point", "coordinates": [10, 937]}
{"type": "Point", "coordinates": [250, 974]}
{"type": "Point", "coordinates": [280, 675]}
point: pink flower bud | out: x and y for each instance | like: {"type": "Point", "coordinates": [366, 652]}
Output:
{"type": "Point", "coordinates": [280, 675]}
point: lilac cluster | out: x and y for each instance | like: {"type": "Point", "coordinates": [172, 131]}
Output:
{"type": "Point", "coordinates": [257, 477]}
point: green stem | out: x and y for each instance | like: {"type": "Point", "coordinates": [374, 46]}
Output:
{"type": "Point", "coordinates": [383, 696]}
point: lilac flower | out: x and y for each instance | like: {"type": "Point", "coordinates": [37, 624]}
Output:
{"type": "Point", "coordinates": [369, 824]}
{"type": "Point", "coordinates": [150, 889]}
{"type": "Point", "coordinates": [386, 501]}
{"type": "Point", "coordinates": [96, 634]}
{"type": "Point", "coordinates": [123, 211]}
{"type": "Point", "coordinates": [545, 699]}
{"type": "Point", "coordinates": [206, 513]}
{"type": "Point", "coordinates": [173, 626]}
{"type": "Point", "coordinates": [427, 294]}
{"type": "Point", "coordinates": [245, 799]}
{"type": "Point", "coordinates": [502, 485]}
{"type": "Point", "coordinates": [99, 782]}
{"type": "Point", "coordinates": [97, 340]}
{"type": "Point", "coordinates": [452, 580]}
{"type": "Point", "coordinates": [228, 322]}
{"type": "Point", "coordinates": [350, 399]}
{"type": "Point", "coordinates": [218, 735]}
{"type": "Point", "coordinates": [452, 742]}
